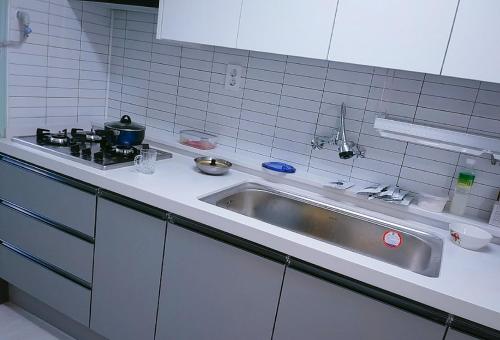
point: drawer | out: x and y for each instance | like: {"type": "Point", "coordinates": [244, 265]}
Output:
{"type": "Point", "coordinates": [56, 291]}
{"type": "Point", "coordinates": [47, 243]}
{"type": "Point", "coordinates": [48, 194]}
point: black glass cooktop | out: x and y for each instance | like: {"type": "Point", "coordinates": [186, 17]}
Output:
{"type": "Point", "coordinates": [87, 151]}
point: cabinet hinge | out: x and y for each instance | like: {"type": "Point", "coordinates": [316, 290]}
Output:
{"type": "Point", "coordinates": [449, 320]}
{"type": "Point", "coordinates": [170, 217]}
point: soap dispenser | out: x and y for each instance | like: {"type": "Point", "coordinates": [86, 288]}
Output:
{"type": "Point", "coordinates": [462, 189]}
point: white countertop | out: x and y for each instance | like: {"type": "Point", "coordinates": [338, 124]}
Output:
{"type": "Point", "coordinates": [468, 285]}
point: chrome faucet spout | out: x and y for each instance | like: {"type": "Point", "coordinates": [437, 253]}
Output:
{"type": "Point", "coordinates": [346, 148]}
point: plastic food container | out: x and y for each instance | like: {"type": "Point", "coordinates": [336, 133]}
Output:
{"type": "Point", "coordinates": [198, 139]}
{"type": "Point", "coordinates": [432, 203]}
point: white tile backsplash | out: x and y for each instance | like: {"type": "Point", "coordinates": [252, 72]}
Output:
{"type": "Point", "coordinates": [60, 73]}
{"type": "Point", "coordinates": [60, 76]}
{"type": "Point", "coordinates": [285, 101]}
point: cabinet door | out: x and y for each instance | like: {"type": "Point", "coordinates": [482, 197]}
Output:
{"type": "Point", "coordinates": [43, 241]}
{"type": "Point", "coordinates": [127, 268]}
{"type": "Point", "coordinates": [407, 34]}
{"type": "Point", "coordinates": [474, 49]}
{"type": "Point", "coordinates": [64, 295]}
{"type": "Point", "coordinates": [213, 22]}
{"type": "Point", "coordinates": [213, 290]}
{"type": "Point", "coordinates": [312, 308]}
{"type": "Point", "coordinates": [295, 27]}
{"type": "Point", "coordinates": [456, 335]}
{"type": "Point", "coordinates": [40, 186]}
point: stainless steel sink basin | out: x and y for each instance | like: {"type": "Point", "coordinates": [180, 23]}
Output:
{"type": "Point", "coordinates": [402, 246]}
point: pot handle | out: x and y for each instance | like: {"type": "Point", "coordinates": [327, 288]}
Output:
{"type": "Point", "coordinates": [125, 119]}
{"type": "Point", "coordinates": [138, 161]}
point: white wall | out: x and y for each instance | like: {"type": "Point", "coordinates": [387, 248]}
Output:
{"type": "Point", "coordinates": [59, 75]}
{"type": "Point", "coordinates": [3, 66]}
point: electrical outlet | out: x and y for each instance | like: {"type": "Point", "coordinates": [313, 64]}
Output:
{"type": "Point", "coordinates": [233, 77]}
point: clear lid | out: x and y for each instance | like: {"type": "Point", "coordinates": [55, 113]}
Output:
{"type": "Point", "coordinates": [195, 134]}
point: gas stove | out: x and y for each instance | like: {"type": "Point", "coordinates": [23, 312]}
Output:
{"type": "Point", "coordinates": [87, 147]}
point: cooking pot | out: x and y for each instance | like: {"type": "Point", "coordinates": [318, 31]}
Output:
{"type": "Point", "coordinates": [125, 132]}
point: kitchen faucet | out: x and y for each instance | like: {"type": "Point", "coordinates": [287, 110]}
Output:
{"type": "Point", "coordinates": [347, 149]}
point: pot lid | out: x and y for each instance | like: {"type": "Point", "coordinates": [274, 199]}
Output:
{"type": "Point", "coordinates": [125, 123]}
{"type": "Point", "coordinates": [279, 167]}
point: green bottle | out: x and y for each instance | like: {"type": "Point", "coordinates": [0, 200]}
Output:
{"type": "Point", "coordinates": [462, 189]}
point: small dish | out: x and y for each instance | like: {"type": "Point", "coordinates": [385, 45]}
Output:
{"type": "Point", "coordinates": [468, 236]}
{"type": "Point", "coordinates": [212, 166]}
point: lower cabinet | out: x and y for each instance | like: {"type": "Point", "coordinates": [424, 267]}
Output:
{"type": "Point", "coordinates": [316, 309]}
{"type": "Point", "coordinates": [62, 294]}
{"type": "Point", "coordinates": [127, 269]}
{"type": "Point", "coordinates": [456, 335]}
{"type": "Point", "coordinates": [213, 290]}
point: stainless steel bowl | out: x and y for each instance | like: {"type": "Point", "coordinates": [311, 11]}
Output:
{"type": "Point", "coordinates": [212, 166]}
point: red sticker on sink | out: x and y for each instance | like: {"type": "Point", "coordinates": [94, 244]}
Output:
{"type": "Point", "coordinates": [392, 239]}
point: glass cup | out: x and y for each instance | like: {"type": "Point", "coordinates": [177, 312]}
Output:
{"type": "Point", "coordinates": [146, 161]}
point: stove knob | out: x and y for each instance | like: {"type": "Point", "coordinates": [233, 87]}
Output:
{"type": "Point", "coordinates": [86, 152]}
{"type": "Point", "coordinates": [75, 132]}
{"type": "Point", "coordinates": [99, 157]}
{"type": "Point", "coordinates": [75, 149]}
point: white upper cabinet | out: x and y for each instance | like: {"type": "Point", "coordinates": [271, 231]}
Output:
{"type": "Point", "coordinates": [213, 22]}
{"type": "Point", "coordinates": [293, 27]}
{"type": "Point", "coordinates": [404, 34]}
{"type": "Point", "coordinates": [474, 50]}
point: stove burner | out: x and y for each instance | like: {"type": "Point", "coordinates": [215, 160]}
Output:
{"type": "Point", "coordinates": [88, 136]}
{"type": "Point", "coordinates": [92, 137]}
{"type": "Point", "coordinates": [44, 136]}
{"type": "Point", "coordinates": [58, 138]}
{"type": "Point", "coordinates": [124, 150]}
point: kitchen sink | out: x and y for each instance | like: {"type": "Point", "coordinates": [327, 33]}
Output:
{"type": "Point", "coordinates": [399, 245]}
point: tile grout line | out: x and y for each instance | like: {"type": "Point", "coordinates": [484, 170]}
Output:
{"type": "Point", "coordinates": [47, 69]}
{"type": "Point", "coordinates": [363, 120]}
{"type": "Point", "coordinates": [80, 63]}
{"type": "Point", "coordinates": [209, 90]}
{"type": "Point", "coordinates": [278, 108]}
{"type": "Point", "coordinates": [242, 99]}
{"type": "Point", "coordinates": [149, 80]}
{"type": "Point", "coordinates": [319, 111]}
{"type": "Point", "coordinates": [177, 90]}
{"type": "Point", "coordinates": [413, 120]}
{"type": "Point", "coordinates": [110, 49]}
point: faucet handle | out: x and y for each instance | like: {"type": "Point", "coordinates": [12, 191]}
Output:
{"type": "Point", "coordinates": [358, 152]}
{"type": "Point", "coordinates": [318, 143]}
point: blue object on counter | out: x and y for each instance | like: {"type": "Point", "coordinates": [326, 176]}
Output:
{"type": "Point", "coordinates": [279, 167]}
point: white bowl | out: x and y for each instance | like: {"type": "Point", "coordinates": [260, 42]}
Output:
{"type": "Point", "coordinates": [469, 237]}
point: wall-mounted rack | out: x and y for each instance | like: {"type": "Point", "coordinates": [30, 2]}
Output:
{"type": "Point", "coordinates": [468, 143]}
{"type": "Point", "coordinates": [24, 27]}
